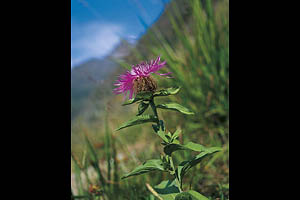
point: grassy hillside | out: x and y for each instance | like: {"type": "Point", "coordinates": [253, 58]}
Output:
{"type": "Point", "coordinates": [192, 36]}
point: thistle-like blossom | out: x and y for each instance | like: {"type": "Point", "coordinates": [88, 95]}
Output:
{"type": "Point", "coordinates": [139, 78]}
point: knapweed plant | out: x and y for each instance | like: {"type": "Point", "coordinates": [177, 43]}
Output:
{"type": "Point", "coordinates": [142, 89]}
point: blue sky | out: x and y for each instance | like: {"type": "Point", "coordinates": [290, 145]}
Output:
{"type": "Point", "coordinates": [98, 25]}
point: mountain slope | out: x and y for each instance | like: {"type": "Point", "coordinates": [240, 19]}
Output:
{"type": "Point", "coordinates": [85, 78]}
{"type": "Point", "coordinates": [92, 75]}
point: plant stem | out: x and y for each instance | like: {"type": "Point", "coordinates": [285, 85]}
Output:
{"type": "Point", "coordinates": [172, 165]}
{"type": "Point", "coordinates": [152, 104]}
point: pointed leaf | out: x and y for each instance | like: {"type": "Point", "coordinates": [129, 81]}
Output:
{"type": "Point", "coordinates": [163, 136]}
{"type": "Point", "coordinates": [169, 135]}
{"type": "Point", "coordinates": [142, 108]}
{"type": "Point", "coordinates": [170, 148]}
{"type": "Point", "coordinates": [175, 141]}
{"type": "Point", "coordinates": [176, 107]}
{"type": "Point", "coordinates": [149, 165]}
{"type": "Point", "coordinates": [176, 134]}
{"type": "Point", "coordinates": [166, 92]}
{"type": "Point", "coordinates": [196, 147]}
{"type": "Point", "coordinates": [138, 120]}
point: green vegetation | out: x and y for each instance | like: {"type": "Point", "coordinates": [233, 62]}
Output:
{"type": "Point", "coordinates": [193, 37]}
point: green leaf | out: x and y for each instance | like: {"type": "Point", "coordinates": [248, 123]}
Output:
{"type": "Point", "coordinates": [197, 195]}
{"type": "Point", "coordinates": [146, 96]}
{"type": "Point", "coordinates": [149, 165]}
{"type": "Point", "coordinates": [170, 148]}
{"type": "Point", "coordinates": [174, 137]}
{"type": "Point", "coordinates": [175, 141]}
{"type": "Point", "coordinates": [142, 108]}
{"type": "Point", "coordinates": [166, 162]}
{"type": "Point", "coordinates": [184, 166]}
{"type": "Point", "coordinates": [190, 195]}
{"type": "Point", "coordinates": [176, 134]}
{"type": "Point", "coordinates": [176, 107]}
{"type": "Point", "coordinates": [167, 190]}
{"type": "Point", "coordinates": [138, 120]}
{"type": "Point", "coordinates": [131, 101]}
{"type": "Point", "coordinates": [166, 92]}
{"type": "Point", "coordinates": [196, 147]}
{"type": "Point", "coordinates": [179, 173]}
{"type": "Point", "coordinates": [169, 135]}
{"type": "Point", "coordinates": [162, 135]}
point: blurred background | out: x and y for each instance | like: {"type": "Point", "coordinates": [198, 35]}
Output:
{"type": "Point", "coordinates": [107, 37]}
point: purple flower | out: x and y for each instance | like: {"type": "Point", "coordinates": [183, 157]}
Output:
{"type": "Point", "coordinates": [138, 79]}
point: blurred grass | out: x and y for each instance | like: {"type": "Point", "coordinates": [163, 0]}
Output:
{"type": "Point", "coordinates": [196, 49]}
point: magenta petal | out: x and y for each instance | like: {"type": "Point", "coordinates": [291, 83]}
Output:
{"type": "Point", "coordinates": [125, 82]}
{"type": "Point", "coordinates": [131, 94]}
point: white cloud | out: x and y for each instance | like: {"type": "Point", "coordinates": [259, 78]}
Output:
{"type": "Point", "coordinates": [93, 40]}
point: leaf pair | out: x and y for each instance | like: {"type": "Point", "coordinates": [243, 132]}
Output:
{"type": "Point", "coordinates": [157, 164]}
{"type": "Point", "coordinates": [147, 96]}
{"type": "Point", "coordinates": [150, 118]}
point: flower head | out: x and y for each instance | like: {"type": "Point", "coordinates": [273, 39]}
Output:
{"type": "Point", "coordinates": [138, 79]}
